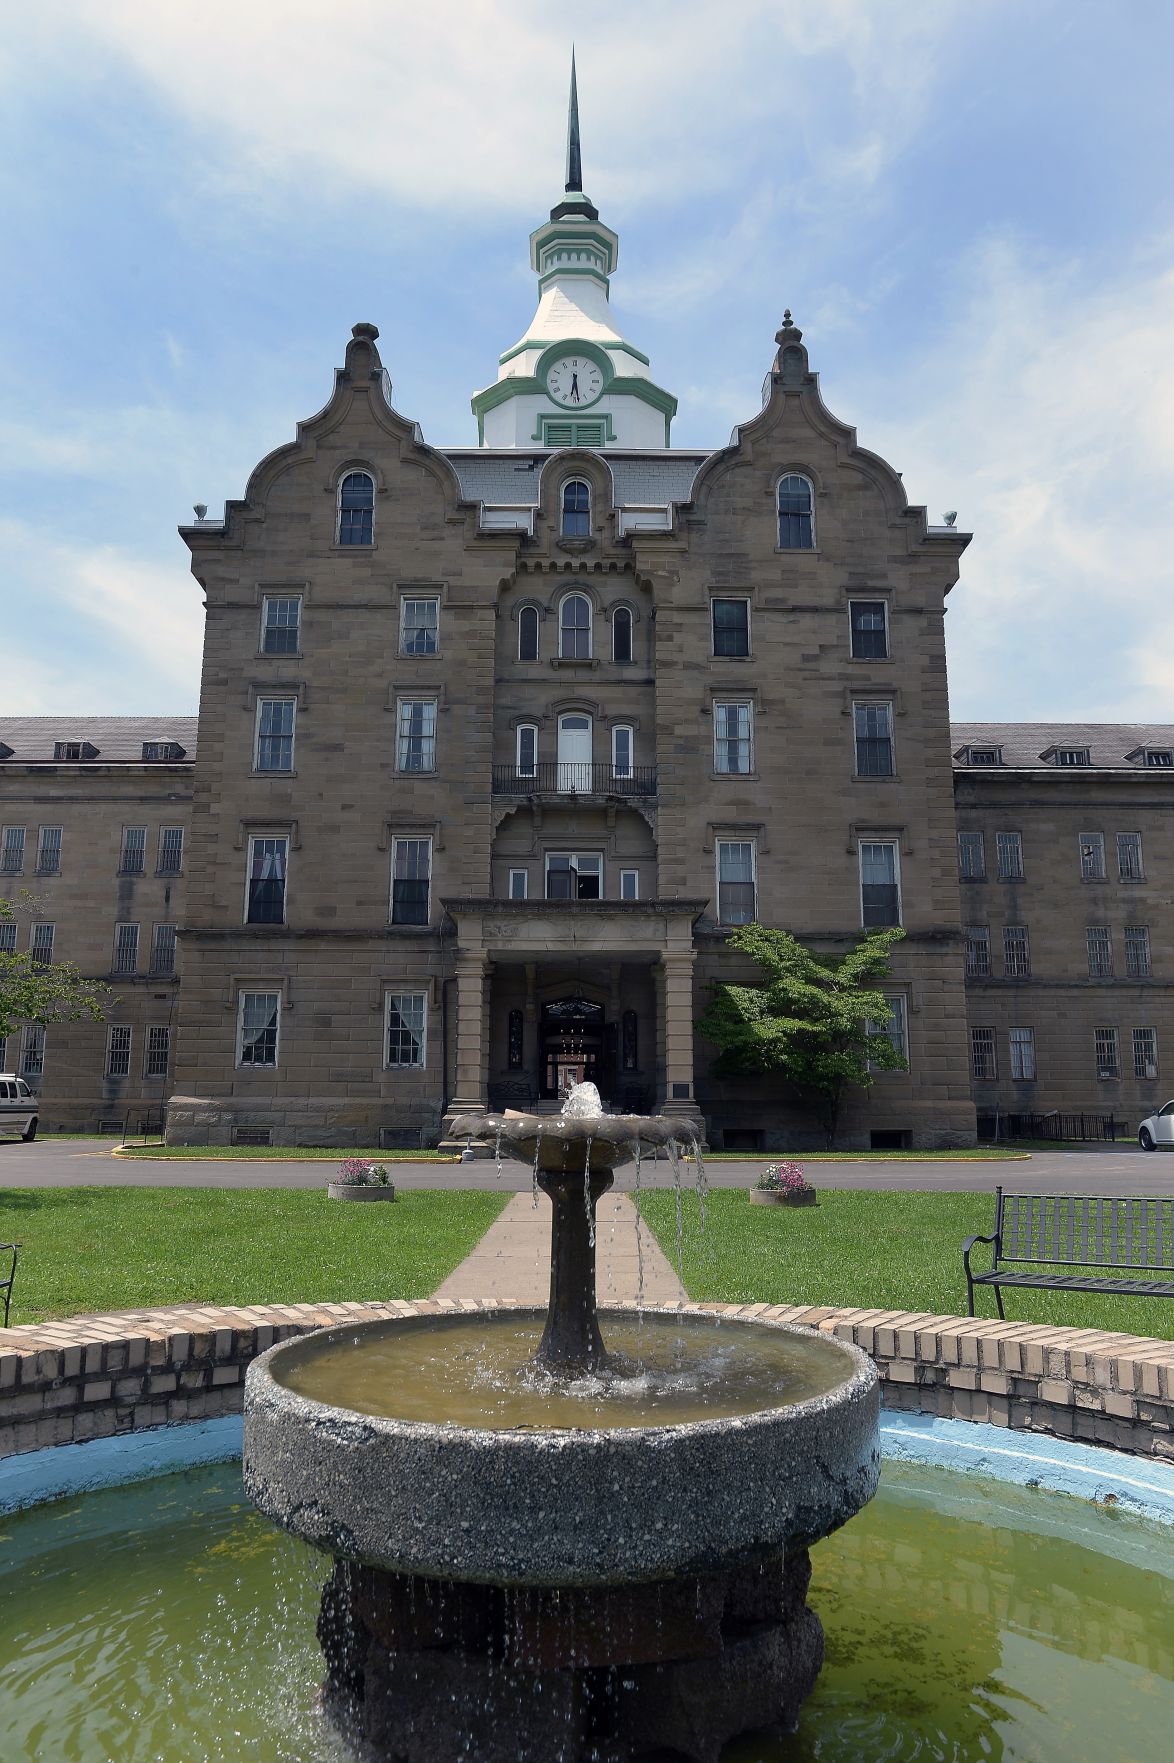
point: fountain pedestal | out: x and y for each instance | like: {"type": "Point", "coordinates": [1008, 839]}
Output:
{"type": "Point", "coordinates": [571, 1342]}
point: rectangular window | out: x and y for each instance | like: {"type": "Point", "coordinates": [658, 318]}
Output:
{"type": "Point", "coordinates": [1145, 1054]}
{"type": "Point", "coordinates": [49, 851]}
{"type": "Point", "coordinates": [984, 1062]}
{"type": "Point", "coordinates": [268, 866]}
{"type": "Point", "coordinates": [133, 857]}
{"type": "Point", "coordinates": [407, 1019]}
{"type": "Point", "coordinates": [880, 891]}
{"type": "Point", "coordinates": [971, 857]}
{"type": "Point", "coordinates": [1072, 756]}
{"type": "Point", "coordinates": [527, 757]}
{"type": "Point", "coordinates": [12, 851]}
{"type": "Point", "coordinates": [870, 630]}
{"type": "Point", "coordinates": [126, 948]}
{"type": "Point", "coordinates": [736, 878]}
{"type": "Point", "coordinates": [574, 875]}
{"type": "Point", "coordinates": [7, 937]}
{"type": "Point", "coordinates": [621, 750]}
{"type": "Point", "coordinates": [257, 1028]}
{"type": "Point", "coordinates": [1022, 1041]}
{"type": "Point", "coordinates": [416, 742]}
{"type": "Point", "coordinates": [275, 734]}
{"type": "Point", "coordinates": [419, 626]}
{"type": "Point", "coordinates": [629, 884]}
{"type": "Point", "coordinates": [158, 1052]}
{"type": "Point", "coordinates": [1129, 856]}
{"type": "Point", "coordinates": [1016, 952]}
{"type": "Point", "coordinates": [1137, 951]}
{"type": "Point", "coordinates": [42, 944]}
{"type": "Point", "coordinates": [1009, 852]}
{"type": "Point", "coordinates": [69, 752]}
{"type": "Point", "coordinates": [1159, 756]}
{"type": "Point", "coordinates": [731, 627]}
{"type": "Point", "coordinates": [983, 755]}
{"type": "Point", "coordinates": [118, 1050]}
{"type": "Point", "coordinates": [1092, 856]}
{"type": "Point", "coordinates": [281, 621]}
{"type": "Point", "coordinates": [978, 951]}
{"type": "Point", "coordinates": [1099, 938]}
{"type": "Point", "coordinates": [873, 725]}
{"type": "Point", "coordinates": [897, 1027]}
{"type": "Point", "coordinates": [732, 738]}
{"type": "Point", "coordinates": [32, 1050]}
{"type": "Point", "coordinates": [411, 878]}
{"type": "Point", "coordinates": [170, 850]}
{"type": "Point", "coordinates": [163, 951]}
{"type": "Point", "coordinates": [519, 884]}
{"type": "Point", "coordinates": [1107, 1055]}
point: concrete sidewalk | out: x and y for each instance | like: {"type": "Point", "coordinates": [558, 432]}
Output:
{"type": "Point", "coordinates": [512, 1260]}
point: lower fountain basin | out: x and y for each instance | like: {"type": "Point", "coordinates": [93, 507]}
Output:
{"type": "Point", "coordinates": [587, 1505]}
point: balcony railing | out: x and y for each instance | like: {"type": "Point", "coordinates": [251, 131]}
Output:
{"type": "Point", "coordinates": [574, 778]}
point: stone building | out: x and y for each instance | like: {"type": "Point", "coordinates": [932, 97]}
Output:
{"type": "Point", "coordinates": [496, 743]}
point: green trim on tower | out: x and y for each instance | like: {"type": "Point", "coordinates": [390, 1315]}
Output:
{"type": "Point", "coordinates": [540, 343]}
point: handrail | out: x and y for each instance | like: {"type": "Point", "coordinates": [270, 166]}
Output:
{"type": "Point", "coordinates": [574, 778]}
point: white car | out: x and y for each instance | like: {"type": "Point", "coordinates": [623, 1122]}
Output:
{"type": "Point", "coordinates": [18, 1107]}
{"type": "Point", "coordinates": [1158, 1129]}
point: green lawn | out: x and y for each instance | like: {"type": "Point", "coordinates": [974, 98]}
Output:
{"type": "Point", "coordinates": [128, 1248]}
{"type": "Point", "coordinates": [975, 1154]}
{"type": "Point", "coordinates": [278, 1153]}
{"type": "Point", "coordinates": [876, 1251]}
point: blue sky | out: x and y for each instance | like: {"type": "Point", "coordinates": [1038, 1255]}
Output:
{"type": "Point", "coordinates": [967, 207]}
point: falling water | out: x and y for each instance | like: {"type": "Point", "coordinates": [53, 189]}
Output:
{"type": "Point", "coordinates": [675, 1165]}
{"type": "Point", "coordinates": [534, 1172]}
{"type": "Point", "coordinates": [639, 1238]}
{"type": "Point", "coordinates": [587, 1194]}
{"type": "Point", "coordinates": [497, 1150]}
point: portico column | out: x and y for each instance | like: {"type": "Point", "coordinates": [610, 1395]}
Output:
{"type": "Point", "coordinates": [677, 969]}
{"type": "Point", "coordinates": [471, 1039]}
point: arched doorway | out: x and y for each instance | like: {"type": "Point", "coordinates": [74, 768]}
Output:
{"type": "Point", "coordinates": [574, 1045]}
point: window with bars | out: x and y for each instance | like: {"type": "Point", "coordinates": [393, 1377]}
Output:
{"type": "Point", "coordinates": [622, 747]}
{"type": "Point", "coordinates": [796, 520]}
{"type": "Point", "coordinates": [576, 510]}
{"type": "Point", "coordinates": [12, 851]}
{"type": "Point", "coordinates": [7, 937]}
{"type": "Point", "coordinates": [736, 881]}
{"type": "Point", "coordinates": [49, 851]}
{"type": "Point", "coordinates": [1137, 951]}
{"type": "Point", "coordinates": [880, 889]}
{"type": "Point", "coordinates": [1092, 856]}
{"type": "Point", "coordinates": [1009, 855]}
{"type": "Point", "coordinates": [574, 875]}
{"type": "Point", "coordinates": [873, 725]}
{"type": "Point", "coordinates": [574, 628]}
{"type": "Point", "coordinates": [356, 509]}
{"type": "Point", "coordinates": [132, 859]}
{"type": "Point", "coordinates": [1129, 856]}
{"type": "Point", "coordinates": [268, 869]}
{"type": "Point", "coordinates": [1108, 1059]}
{"type": "Point", "coordinates": [621, 634]}
{"type": "Point", "coordinates": [158, 1052]}
{"type": "Point", "coordinates": [416, 741]}
{"type": "Point", "coordinates": [1022, 1045]}
{"type": "Point", "coordinates": [731, 627]}
{"type": "Point", "coordinates": [32, 1050]}
{"type": "Point", "coordinates": [275, 734]}
{"type": "Point", "coordinates": [528, 633]}
{"type": "Point", "coordinates": [1016, 952]}
{"type": "Point", "coordinates": [984, 1059]}
{"type": "Point", "coordinates": [733, 726]}
{"type": "Point", "coordinates": [258, 1025]}
{"type": "Point", "coordinates": [1099, 940]}
{"type": "Point", "coordinates": [978, 951]}
{"type": "Point", "coordinates": [118, 1039]}
{"type": "Point", "coordinates": [407, 1024]}
{"type": "Point", "coordinates": [170, 850]}
{"type": "Point", "coordinates": [420, 625]}
{"type": "Point", "coordinates": [281, 623]}
{"type": "Point", "coordinates": [411, 879]}
{"type": "Point", "coordinates": [41, 946]}
{"type": "Point", "coordinates": [870, 629]}
{"type": "Point", "coordinates": [971, 857]}
{"type": "Point", "coordinates": [163, 951]}
{"type": "Point", "coordinates": [126, 948]}
{"type": "Point", "coordinates": [1145, 1054]}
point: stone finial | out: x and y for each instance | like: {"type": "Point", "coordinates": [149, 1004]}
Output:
{"type": "Point", "coordinates": [362, 355]}
{"type": "Point", "coordinates": [788, 332]}
{"type": "Point", "coordinates": [368, 332]}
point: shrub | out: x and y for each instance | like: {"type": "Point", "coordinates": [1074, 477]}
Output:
{"type": "Point", "coordinates": [356, 1172]}
{"type": "Point", "coordinates": [784, 1178]}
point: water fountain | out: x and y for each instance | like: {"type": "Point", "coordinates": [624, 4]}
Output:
{"type": "Point", "coordinates": [552, 1547]}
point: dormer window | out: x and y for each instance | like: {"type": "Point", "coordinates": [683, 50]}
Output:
{"type": "Point", "coordinates": [356, 509]}
{"type": "Point", "coordinates": [576, 510]}
{"type": "Point", "coordinates": [1153, 756]}
{"type": "Point", "coordinates": [796, 519]}
{"type": "Point", "coordinates": [984, 756]}
{"type": "Point", "coordinates": [163, 750]}
{"type": "Point", "coordinates": [1071, 756]}
{"type": "Point", "coordinates": [73, 752]}
{"type": "Point", "coordinates": [6, 751]}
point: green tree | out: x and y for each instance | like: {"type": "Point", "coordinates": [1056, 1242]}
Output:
{"type": "Point", "coordinates": [43, 991]}
{"type": "Point", "coordinates": [816, 1021]}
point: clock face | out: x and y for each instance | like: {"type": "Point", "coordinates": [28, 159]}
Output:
{"type": "Point", "coordinates": [574, 380]}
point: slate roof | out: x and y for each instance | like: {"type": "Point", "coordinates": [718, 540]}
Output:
{"type": "Point", "coordinates": [118, 739]}
{"type": "Point", "coordinates": [1022, 743]}
{"type": "Point", "coordinates": [502, 478]}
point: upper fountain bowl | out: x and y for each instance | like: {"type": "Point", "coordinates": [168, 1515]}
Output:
{"type": "Point", "coordinates": [560, 1143]}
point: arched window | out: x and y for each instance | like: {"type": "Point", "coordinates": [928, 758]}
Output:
{"type": "Point", "coordinates": [528, 634]}
{"type": "Point", "coordinates": [621, 750]}
{"type": "Point", "coordinates": [356, 509]}
{"type": "Point", "coordinates": [796, 522]}
{"type": "Point", "coordinates": [574, 628]}
{"type": "Point", "coordinates": [621, 634]}
{"type": "Point", "coordinates": [576, 521]}
{"type": "Point", "coordinates": [527, 761]}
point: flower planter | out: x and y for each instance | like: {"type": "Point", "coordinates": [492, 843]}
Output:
{"type": "Point", "coordinates": [777, 1197]}
{"type": "Point", "coordinates": [343, 1190]}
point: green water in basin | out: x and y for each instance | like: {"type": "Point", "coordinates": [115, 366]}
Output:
{"type": "Point", "coordinates": [168, 1622]}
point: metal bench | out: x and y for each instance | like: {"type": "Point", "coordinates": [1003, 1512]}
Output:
{"type": "Point", "coordinates": [6, 1284]}
{"type": "Point", "coordinates": [1126, 1236]}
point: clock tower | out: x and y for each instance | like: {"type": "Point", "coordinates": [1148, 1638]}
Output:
{"type": "Point", "coordinates": [573, 381]}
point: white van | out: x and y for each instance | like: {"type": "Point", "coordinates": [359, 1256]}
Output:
{"type": "Point", "coordinates": [18, 1107]}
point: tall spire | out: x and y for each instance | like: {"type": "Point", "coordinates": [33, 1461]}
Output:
{"type": "Point", "coordinates": [574, 156]}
